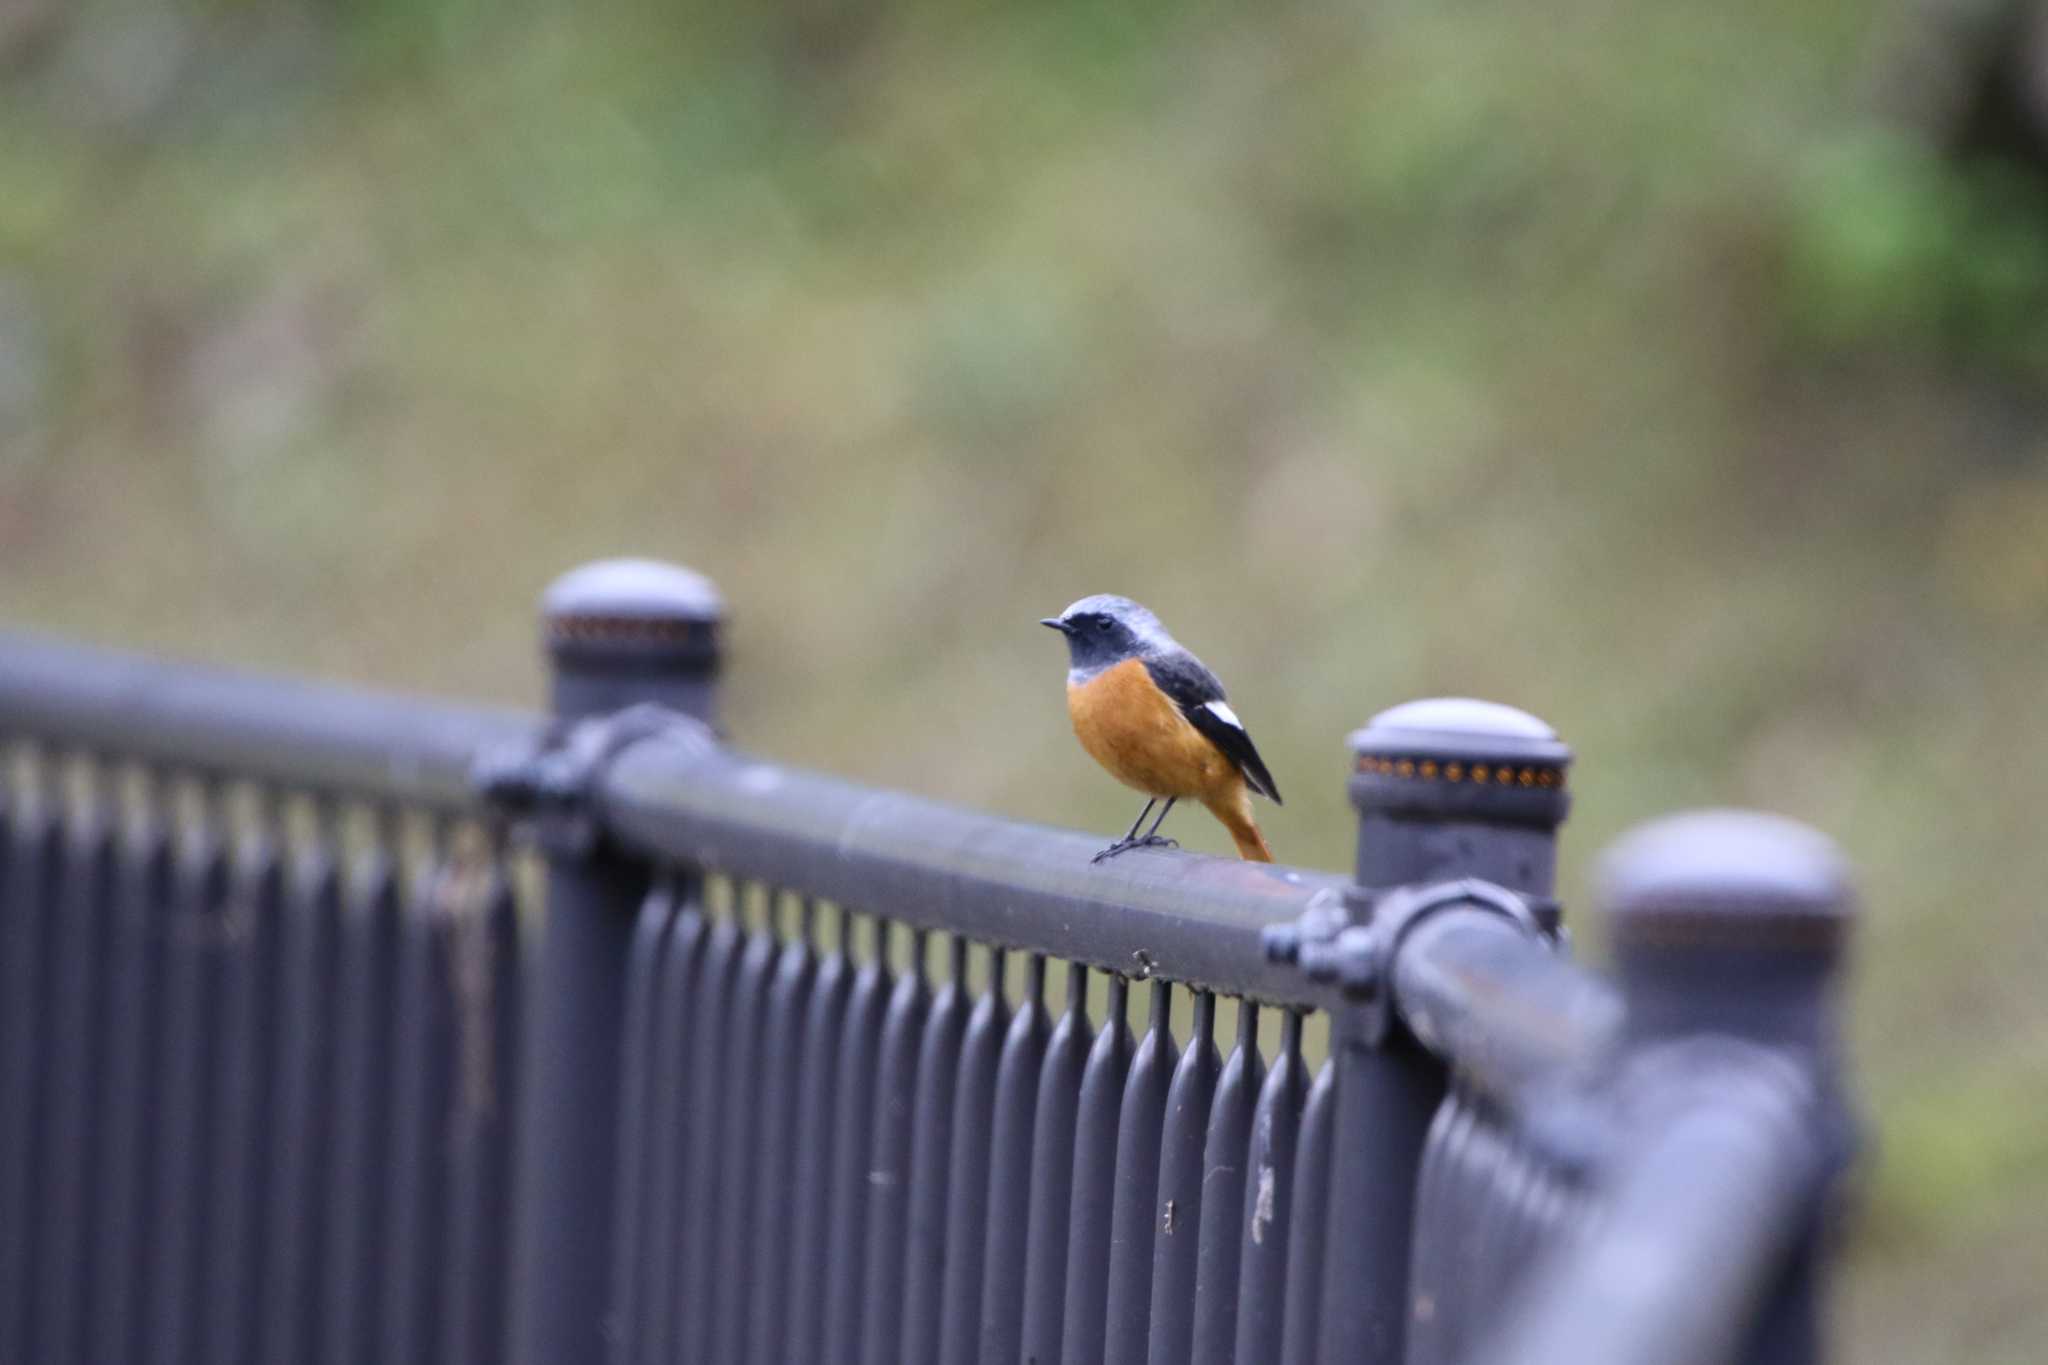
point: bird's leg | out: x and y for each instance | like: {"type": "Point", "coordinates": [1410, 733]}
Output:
{"type": "Point", "coordinates": [1130, 839]}
{"type": "Point", "coordinates": [1152, 837]}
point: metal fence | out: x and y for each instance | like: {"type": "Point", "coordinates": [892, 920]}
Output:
{"type": "Point", "coordinates": [797, 1070]}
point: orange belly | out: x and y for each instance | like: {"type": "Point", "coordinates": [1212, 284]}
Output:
{"type": "Point", "coordinates": [1135, 731]}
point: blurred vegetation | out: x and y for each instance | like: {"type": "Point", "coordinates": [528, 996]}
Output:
{"type": "Point", "coordinates": [1656, 368]}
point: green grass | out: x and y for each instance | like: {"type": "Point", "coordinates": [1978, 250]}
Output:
{"type": "Point", "coordinates": [1617, 363]}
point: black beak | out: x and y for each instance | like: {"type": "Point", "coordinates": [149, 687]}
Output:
{"type": "Point", "coordinates": [1055, 623]}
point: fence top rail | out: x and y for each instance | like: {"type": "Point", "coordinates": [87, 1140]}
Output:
{"type": "Point", "coordinates": [1519, 1021]}
{"type": "Point", "coordinates": [223, 723]}
{"type": "Point", "coordinates": [1728, 1152]}
{"type": "Point", "coordinates": [1193, 920]}
{"type": "Point", "coordinates": [681, 797]}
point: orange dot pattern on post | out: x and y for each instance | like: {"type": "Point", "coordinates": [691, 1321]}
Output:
{"type": "Point", "coordinates": [1483, 774]}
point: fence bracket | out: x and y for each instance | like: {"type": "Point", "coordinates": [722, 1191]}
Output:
{"type": "Point", "coordinates": [549, 784]}
{"type": "Point", "coordinates": [1358, 957]}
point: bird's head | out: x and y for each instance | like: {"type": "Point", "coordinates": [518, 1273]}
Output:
{"type": "Point", "coordinates": [1106, 629]}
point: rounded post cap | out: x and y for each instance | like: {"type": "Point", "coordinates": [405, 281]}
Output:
{"type": "Point", "coordinates": [1458, 757]}
{"type": "Point", "coordinates": [1727, 879]}
{"type": "Point", "coordinates": [634, 607]}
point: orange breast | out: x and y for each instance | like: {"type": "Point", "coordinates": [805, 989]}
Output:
{"type": "Point", "coordinates": [1134, 730]}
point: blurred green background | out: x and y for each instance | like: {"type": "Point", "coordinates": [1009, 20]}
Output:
{"type": "Point", "coordinates": [1676, 372]}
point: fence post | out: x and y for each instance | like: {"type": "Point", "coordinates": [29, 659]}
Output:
{"type": "Point", "coordinates": [1734, 923]}
{"type": "Point", "coordinates": [618, 632]}
{"type": "Point", "coordinates": [1445, 788]}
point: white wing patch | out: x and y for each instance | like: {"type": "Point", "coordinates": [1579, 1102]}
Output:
{"type": "Point", "coordinates": [1228, 716]}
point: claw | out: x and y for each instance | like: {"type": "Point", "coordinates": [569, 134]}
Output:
{"type": "Point", "coordinates": [1119, 846]}
{"type": "Point", "coordinates": [1125, 845]}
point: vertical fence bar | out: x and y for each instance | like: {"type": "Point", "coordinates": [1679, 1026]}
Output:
{"type": "Point", "coordinates": [1095, 1133]}
{"type": "Point", "coordinates": [739, 1110]}
{"type": "Point", "coordinates": [32, 852]}
{"type": "Point", "coordinates": [1444, 789]}
{"type": "Point", "coordinates": [191, 1028]}
{"type": "Point", "coordinates": [931, 1148]}
{"type": "Point", "coordinates": [1501, 1223]}
{"type": "Point", "coordinates": [1134, 1212]}
{"type": "Point", "coordinates": [1188, 1101]}
{"type": "Point", "coordinates": [1474, 1193]}
{"type": "Point", "coordinates": [488, 972]}
{"type": "Point", "coordinates": [364, 1034]}
{"type": "Point", "coordinates": [1224, 1150]}
{"type": "Point", "coordinates": [127, 1207]}
{"type": "Point", "coordinates": [249, 964]}
{"type": "Point", "coordinates": [303, 1086]}
{"type": "Point", "coordinates": [1268, 1199]}
{"type": "Point", "coordinates": [678, 1095]}
{"type": "Point", "coordinates": [1434, 1266]}
{"type": "Point", "coordinates": [1052, 1174]}
{"type": "Point", "coordinates": [1018, 1070]}
{"type": "Point", "coordinates": [782, 1138]}
{"type": "Point", "coordinates": [818, 1154]}
{"type": "Point", "coordinates": [8, 813]}
{"type": "Point", "coordinates": [415, 1261]}
{"type": "Point", "coordinates": [635, 1229]}
{"type": "Point", "coordinates": [702, 1134]}
{"type": "Point", "coordinates": [618, 633]}
{"type": "Point", "coordinates": [890, 1172]}
{"type": "Point", "coordinates": [1542, 1203]}
{"type": "Point", "coordinates": [18, 953]}
{"type": "Point", "coordinates": [80, 939]}
{"type": "Point", "coordinates": [854, 1122]}
{"type": "Point", "coordinates": [1733, 922]}
{"type": "Point", "coordinates": [1301, 1334]}
{"type": "Point", "coordinates": [967, 1171]}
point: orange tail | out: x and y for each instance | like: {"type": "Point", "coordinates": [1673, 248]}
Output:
{"type": "Point", "coordinates": [1251, 845]}
{"type": "Point", "coordinates": [1236, 816]}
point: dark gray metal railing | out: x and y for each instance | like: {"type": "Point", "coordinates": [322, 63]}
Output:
{"type": "Point", "coordinates": [805, 1071]}
{"type": "Point", "coordinates": [259, 1001]}
{"type": "Point", "coordinates": [683, 799]}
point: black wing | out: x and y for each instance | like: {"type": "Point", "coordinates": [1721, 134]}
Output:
{"type": "Point", "coordinates": [1192, 687]}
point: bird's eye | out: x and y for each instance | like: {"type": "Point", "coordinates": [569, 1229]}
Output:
{"type": "Point", "coordinates": [1101, 625]}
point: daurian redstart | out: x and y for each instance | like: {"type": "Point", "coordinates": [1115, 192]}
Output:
{"type": "Point", "coordinates": [1152, 714]}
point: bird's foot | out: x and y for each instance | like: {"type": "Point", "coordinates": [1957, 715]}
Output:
{"type": "Point", "coordinates": [1118, 847]}
{"type": "Point", "coordinates": [1126, 845]}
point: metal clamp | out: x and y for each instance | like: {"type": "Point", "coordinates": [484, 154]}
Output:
{"type": "Point", "coordinates": [1320, 923]}
{"type": "Point", "coordinates": [548, 784]}
{"type": "Point", "coordinates": [1358, 956]}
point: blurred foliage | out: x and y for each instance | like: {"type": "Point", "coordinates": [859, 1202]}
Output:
{"type": "Point", "coordinates": [1625, 363]}
{"type": "Point", "coordinates": [1892, 240]}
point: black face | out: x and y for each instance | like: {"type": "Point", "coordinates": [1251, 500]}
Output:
{"type": "Point", "coordinates": [1095, 639]}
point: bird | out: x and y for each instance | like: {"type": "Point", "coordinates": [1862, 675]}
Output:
{"type": "Point", "coordinates": [1156, 717]}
